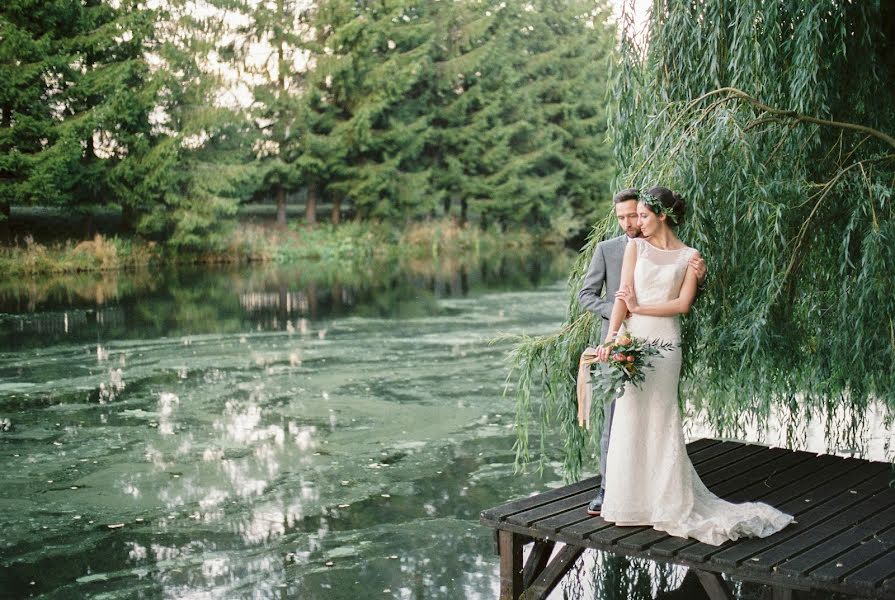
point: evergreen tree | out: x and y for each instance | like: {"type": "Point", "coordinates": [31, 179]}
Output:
{"type": "Point", "coordinates": [373, 68]}
{"type": "Point", "coordinates": [187, 175]}
{"type": "Point", "coordinates": [88, 92]}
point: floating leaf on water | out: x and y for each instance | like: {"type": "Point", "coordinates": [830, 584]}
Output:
{"type": "Point", "coordinates": [385, 495]}
{"type": "Point", "coordinates": [343, 482]}
{"type": "Point", "coordinates": [329, 563]}
{"type": "Point", "coordinates": [344, 505]}
{"type": "Point", "coordinates": [393, 556]}
{"type": "Point", "coordinates": [115, 526]}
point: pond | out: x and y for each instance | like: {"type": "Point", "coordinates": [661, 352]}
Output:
{"type": "Point", "coordinates": [284, 432]}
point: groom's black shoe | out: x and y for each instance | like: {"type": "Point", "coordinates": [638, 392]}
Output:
{"type": "Point", "coordinates": [596, 505]}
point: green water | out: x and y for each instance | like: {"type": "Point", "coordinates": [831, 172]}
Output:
{"type": "Point", "coordinates": [274, 433]}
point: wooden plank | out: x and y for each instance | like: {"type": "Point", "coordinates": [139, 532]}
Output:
{"type": "Point", "coordinates": [585, 528]}
{"type": "Point", "coordinates": [553, 574]}
{"type": "Point", "coordinates": [510, 565]}
{"type": "Point", "coordinates": [756, 473]}
{"type": "Point", "coordinates": [888, 588]}
{"type": "Point", "coordinates": [570, 524]}
{"type": "Point", "coordinates": [734, 553]}
{"type": "Point", "coordinates": [794, 493]}
{"type": "Point", "coordinates": [611, 535]}
{"type": "Point", "coordinates": [712, 452]}
{"type": "Point", "coordinates": [837, 545]}
{"type": "Point", "coordinates": [527, 517]}
{"type": "Point", "coordinates": [873, 561]}
{"type": "Point", "coordinates": [558, 522]}
{"type": "Point", "coordinates": [776, 473]}
{"type": "Point", "coordinates": [728, 462]}
{"type": "Point", "coordinates": [501, 512]}
{"type": "Point", "coordinates": [703, 447]}
{"type": "Point", "coordinates": [874, 574]}
{"type": "Point", "coordinates": [700, 444]}
{"type": "Point", "coordinates": [790, 482]}
{"type": "Point", "coordinates": [829, 498]}
{"type": "Point", "coordinates": [820, 532]}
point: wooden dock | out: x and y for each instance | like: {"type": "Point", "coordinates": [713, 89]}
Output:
{"type": "Point", "coordinates": [843, 541]}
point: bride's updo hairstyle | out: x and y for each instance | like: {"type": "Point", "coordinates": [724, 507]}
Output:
{"type": "Point", "coordinates": [661, 200]}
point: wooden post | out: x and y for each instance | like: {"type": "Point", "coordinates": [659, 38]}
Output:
{"type": "Point", "coordinates": [781, 593]}
{"type": "Point", "coordinates": [553, 574]}
{"type": "Point", "coordinates": [716, 587]}
{"type": "Point", "coordinates": [510, 565]}
{"type": "Point", "coordinates": [537, 560]}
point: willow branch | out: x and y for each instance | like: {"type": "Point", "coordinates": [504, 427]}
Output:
{"type": "Point", "coordinates": [823, 194]}
{"type": "Point", "coordinates": [791, 114]}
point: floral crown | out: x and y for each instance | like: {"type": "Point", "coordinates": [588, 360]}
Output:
{"type": "Point", "coordinates": [657, 206]}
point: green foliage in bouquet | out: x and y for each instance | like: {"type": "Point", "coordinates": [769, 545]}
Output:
{"type": "Point", "coordinates": [629, 359]}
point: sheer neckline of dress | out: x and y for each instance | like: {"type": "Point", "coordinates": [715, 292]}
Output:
{"type": "Point", "coordinates": [662, 249]}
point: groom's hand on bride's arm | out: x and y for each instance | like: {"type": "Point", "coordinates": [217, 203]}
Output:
{"type": "Point", "coordinates": [627, 295]}
{"type": "Point", "coordinates": [699, 267]}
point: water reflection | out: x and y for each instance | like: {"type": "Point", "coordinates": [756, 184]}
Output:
{"type": "Point", "coordinates": [280, 432]}
{"type": "Point", "coordinates": [127, 305]}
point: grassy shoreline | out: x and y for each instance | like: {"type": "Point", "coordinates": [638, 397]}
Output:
{"type": "Point", "coordinates": [345, 243]}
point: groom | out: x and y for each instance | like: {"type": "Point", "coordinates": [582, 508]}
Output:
{"type": "Point", "coordinates": [605, 273]}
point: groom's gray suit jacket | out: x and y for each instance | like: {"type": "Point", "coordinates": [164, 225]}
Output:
{"type": "Point", "coordinates": [605, 272]}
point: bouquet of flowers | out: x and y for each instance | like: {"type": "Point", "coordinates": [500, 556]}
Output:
{"type": "Point", "coordinates": [629, 359]}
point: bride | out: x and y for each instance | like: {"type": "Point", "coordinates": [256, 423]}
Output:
{"type": "Point", "coordinates": [649, 477]}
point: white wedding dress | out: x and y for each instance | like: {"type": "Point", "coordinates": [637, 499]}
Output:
{"type": "Point", "coordinates": [649, 477]}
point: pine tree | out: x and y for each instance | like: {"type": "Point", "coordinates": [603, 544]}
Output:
{"type": "Point", "coordinates": [184, 177]}
{"type": "Point", "coordinates": [522, 132]}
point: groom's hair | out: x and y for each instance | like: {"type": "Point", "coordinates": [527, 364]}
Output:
{"type": "Point", "coordinates": [626, 195]}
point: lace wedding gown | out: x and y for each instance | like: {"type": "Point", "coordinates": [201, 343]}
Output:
{"type": "Point", "coordinates": [649, 477]}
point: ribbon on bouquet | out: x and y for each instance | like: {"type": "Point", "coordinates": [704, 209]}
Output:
{"type": "Point", "coordinates": [585, 392]}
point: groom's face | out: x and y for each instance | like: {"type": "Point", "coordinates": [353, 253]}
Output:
{"type": "Point", "coordinates": [626, 212]}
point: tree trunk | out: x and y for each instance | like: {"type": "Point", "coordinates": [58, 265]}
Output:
{"type": "Point", "coordinates": [446, 205]}
{"type": "Point", "coordinates": [281, 204]}
{"type": "Point", "coordinates": [311, 205]}
{"type": "Point", "coordinates": [89, 229]}
{"type": "Point", "coordinates": [463, 216]}
{"type": "Point", "coordinates": [6, 117]}
{"type": "Point", "coordinates": [336, 214]}
{"type": "Point", "coordinates": [5, 228]}
{"type": "Point", "coordinates": [128, 218]}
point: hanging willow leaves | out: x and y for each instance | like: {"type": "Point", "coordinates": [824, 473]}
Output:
{"type": "Point", "coordinates": [774, 121]}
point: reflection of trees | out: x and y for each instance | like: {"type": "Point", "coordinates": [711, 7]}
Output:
{"type": "Point", "coordinates": [185, 301]}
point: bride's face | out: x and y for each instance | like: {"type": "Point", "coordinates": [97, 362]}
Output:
{"type": "Point", "coordinates": [648, 221]}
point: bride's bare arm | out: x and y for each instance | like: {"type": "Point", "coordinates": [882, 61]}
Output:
{"type": "Point", "coordinates": [678, 306]}
{"type": "Point", "coordinates": [620, 309]}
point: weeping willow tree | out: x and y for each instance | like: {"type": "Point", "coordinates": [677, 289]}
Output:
{"type": "Point", "coordinates": [775, 121]}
